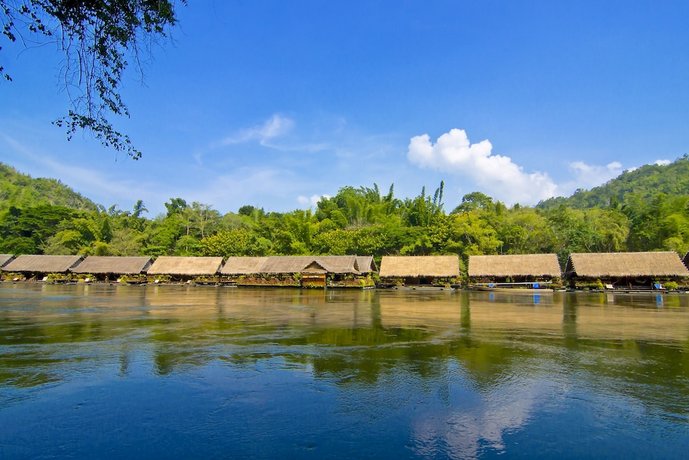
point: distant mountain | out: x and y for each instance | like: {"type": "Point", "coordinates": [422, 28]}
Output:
{"type": "Point", "coordinates": [23, 191]}
{"type": "Point", "coordinates": [643, 183]}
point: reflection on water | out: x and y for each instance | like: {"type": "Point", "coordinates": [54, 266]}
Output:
{"type": "Point", "coordinates": [263, 373]}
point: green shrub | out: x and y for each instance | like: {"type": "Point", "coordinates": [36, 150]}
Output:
{"type": "Point", "coordinates": [11, 276]}
{"type": "Point", "coordinates": [161, 279]}
{"type": "Point", "coordinates": [671, 286]}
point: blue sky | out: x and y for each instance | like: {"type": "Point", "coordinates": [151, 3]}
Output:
{"type": "Point", "coordinates": [275, 103]}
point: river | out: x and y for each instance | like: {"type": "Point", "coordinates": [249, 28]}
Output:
{"type": "Point", "coordinates": [100, 371]}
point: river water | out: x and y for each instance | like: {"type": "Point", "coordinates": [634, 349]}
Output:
{"type": "Point", "coordinates": [102, 371]}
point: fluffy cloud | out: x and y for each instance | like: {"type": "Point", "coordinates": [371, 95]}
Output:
{"type": "Point", "coordinates": [274, 127]}
{"type": "Point", "coordinates": [498, 175]}
{"type": "Point", "coordinates": [663, 162]}
{"type": "Point", "coordinates": [587, 176]}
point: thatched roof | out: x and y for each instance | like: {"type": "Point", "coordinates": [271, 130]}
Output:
{"type": "Point", "coordinates": [286, 264]}
{"type": "Point", "coordinates": [365, 264]}
{"type": "Point", "coordinates": [626, 264]}
{"type": "Point", "coordinates": [337, 264]}
{"type": "Point", "coordinates": [243, 265]}
{"type": "Point", "coordinates": [41, 264]}
{"type": "Point", "coordinates": [515, 265]}
{"type": "Point", "coordinates": [115, 265]}
{"type": "Point", "coordinates": [317, 264]}
{"type": "Point", "coordinates": [4, 258]}
{"type": "Point", "coordinates": [167, 265]}
{"type": "Point", "coordinates": [291, 264]}
{"type": "Point", "coordinates": [418, 266]}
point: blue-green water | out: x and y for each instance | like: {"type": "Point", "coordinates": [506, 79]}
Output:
{"type": "Point", "coordinates": [191, 372]}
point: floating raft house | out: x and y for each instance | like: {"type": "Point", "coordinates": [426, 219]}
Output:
{"type": "Point", "coordinates": [312, 271]}
{"type": "Point", "coordinates": [523, 270]}
{"type": "Point", "coordinates": [112, 266]}
{"type": "Point", "coordinates": [185, 268]}
{"type": "Point", "coordinates": [626, 270]}
{"type": "Point", "coordinates": [419, 270]}
{"type": "Point", "coordinates": [36, 265]}
{"type": "Point", "coordinates": [254, 271]}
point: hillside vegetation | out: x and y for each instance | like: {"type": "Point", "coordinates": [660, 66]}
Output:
{"type": "Point", "coordinates": [643, 183]}
{"type": "Point", "coordinates": [642, 210]}
{"type": "Point", "coordinates": [21, 191]}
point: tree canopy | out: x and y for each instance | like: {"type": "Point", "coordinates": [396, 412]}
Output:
{"type": "Point", "coordinates": [98, 38]}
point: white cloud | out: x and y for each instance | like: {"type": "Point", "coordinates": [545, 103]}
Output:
{"type": "Point", "coordinates": [663, 162]}
{"type": "Point", "coordinates": [311, 201]}
{"type": "Point", "coordinates": [465, 431]}
{"type": "Point", "coordinates": [587, 176]}
{"type": "Point", "coordinates": [276, 133]}
{"type": "Point", "coordinates": [276, 126]}
{"type": "Point", "coordinates": [498, 175]}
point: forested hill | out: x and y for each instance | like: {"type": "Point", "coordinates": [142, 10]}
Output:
{"type": "Point", "coordinates": [641, 184]}
{"type": "Point", "coordinates": [642, 210]}
{"type": "Point", "coordinates": [22, 191]}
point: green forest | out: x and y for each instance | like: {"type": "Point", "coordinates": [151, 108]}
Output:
{"type": "Point", "coordinates": [642, 210]}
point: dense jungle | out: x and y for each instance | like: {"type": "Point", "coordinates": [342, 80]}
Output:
{"type": "Point", "coordinates": [644, 209]}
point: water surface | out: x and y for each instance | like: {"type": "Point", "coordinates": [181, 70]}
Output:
{"type": "Point", "coordinates": [98, 371]}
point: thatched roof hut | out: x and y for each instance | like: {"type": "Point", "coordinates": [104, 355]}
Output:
{"type": "Point", "coordinates": [686, 260]}
{"type": "Point", "coordinates": [537, 265]}
{"type": "Point", "coordinates": [42, 264]}
{"type": "Point", "coordinates": [626, 264]}
{"type": "Point", "coordinates": [103, 265]}
{"type": "Point", "coordinates": [419, 266]}
{"type": "Point", "coordinates": [334, 264]}
{"type": "Point", "coordinates": [4, 258]}
{"type": "Point", "coordinates": [286, 264]}
{"type": "Point", "coordinates": [185, 266]}
{"type": "Point", "coordinates": [296, 264]}
{"type": "Point", "coordinates": [243, 265]}
{"type": "Point", "coordinates": [314, 264]}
